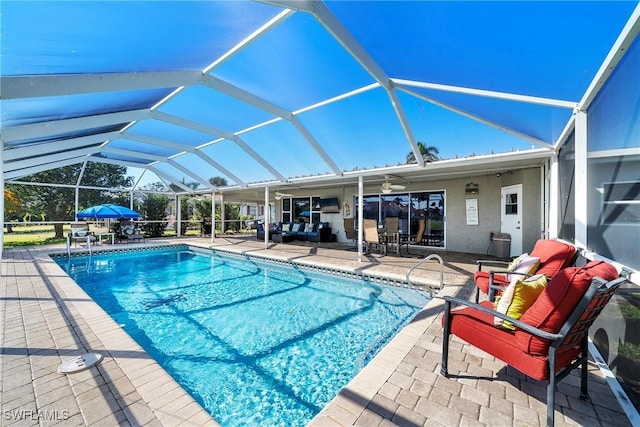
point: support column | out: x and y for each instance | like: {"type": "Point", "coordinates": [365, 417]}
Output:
{"type": "Point", "coordinates": [223, 215]}
{"type": "Point", "coordinates": [178, 216]}
{"type": "Point", "coordinates": [581, 176]}
{"type": "Point", "coordinates": [553, 211]}
{"type": "Point", "coordinates": [213, 216]}
{"type": "Point", "coordinates": [360, 216]}
{"type": "Point", "coordinates": [267, 217]}
{"type": "Point", "coordinates": [77, 199]}
{"type": "Point", "coordinates": [77, 203]}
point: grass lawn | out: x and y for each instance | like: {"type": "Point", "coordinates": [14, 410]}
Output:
{"type": "Point", "coordinates": [31, 235]}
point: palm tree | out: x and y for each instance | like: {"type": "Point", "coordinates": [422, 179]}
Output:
{"type": "Point", "coordinates": [429, 153]}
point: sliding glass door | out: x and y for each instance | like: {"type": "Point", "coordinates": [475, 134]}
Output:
{"type": "Point", "coordinates": [409, 208]}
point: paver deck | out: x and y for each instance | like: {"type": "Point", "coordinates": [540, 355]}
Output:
{"type": "Point", "coordinates": [48, 319]}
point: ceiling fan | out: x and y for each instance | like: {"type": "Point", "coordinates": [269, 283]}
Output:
{"type": "Point", "coordinates": [280, 195]}
{"type": "Point", "coordinates": [387, 186]}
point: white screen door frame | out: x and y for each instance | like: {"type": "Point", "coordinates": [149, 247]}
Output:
{"type": "Point", "coordinates": [511, 216]}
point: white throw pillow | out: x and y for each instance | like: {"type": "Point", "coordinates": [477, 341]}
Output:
{"type": "Point", "coordinates": [524, 264]}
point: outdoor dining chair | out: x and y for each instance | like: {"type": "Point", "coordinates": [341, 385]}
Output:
{"type": "Point", "coordinates": [392, 232]}
{"type": "Point", "coordinates": [414, 239]}
{"type": "Point", "coordinates": [371, 236]}
{"type": "Point", "coordinates": [350, 232]}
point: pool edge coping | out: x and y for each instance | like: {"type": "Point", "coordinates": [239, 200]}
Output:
{"type": "Point", "coordinates": [354, 398]}
{"type": "Point", "coordinates": [111, 336]}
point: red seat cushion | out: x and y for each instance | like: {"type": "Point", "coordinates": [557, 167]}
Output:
{"type": "Point", "coordinates": [554, 306]}
{"type": "Point", "coordinates": [481, 279]}
{"type": "Point", "coordinates": [476, 328]}
{"type": "Point", "coordinates": [554, 256]}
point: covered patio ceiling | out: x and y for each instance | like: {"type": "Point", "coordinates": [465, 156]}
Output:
{"type": "Point", "coordinates": [294, 93]}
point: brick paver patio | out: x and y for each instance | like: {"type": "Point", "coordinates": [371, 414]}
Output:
{"type": "Point", "coordinates": [47, 319]}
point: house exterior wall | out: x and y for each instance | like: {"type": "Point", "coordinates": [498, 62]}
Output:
{"type": "Point", "coordinates": [461, 237]}
{"type": "Point", "coordinates": [475, 238]}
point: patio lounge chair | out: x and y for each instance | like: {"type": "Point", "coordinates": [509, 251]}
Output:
{"type": "Point", "coordinates": [553, 256]}
{"type": "Point", "coordinates": [129, 232]}
{"type": "Point", "coordinates": [550, 338]}
{"type": "Point", "coordinates": [80, 233]}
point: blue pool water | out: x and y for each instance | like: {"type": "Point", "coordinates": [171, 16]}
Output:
{"type": "Point", "coordinates": [253, 343]}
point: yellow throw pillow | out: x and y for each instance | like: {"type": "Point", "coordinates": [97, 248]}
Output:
{"type": "Point", "coordinates": [518, 297]}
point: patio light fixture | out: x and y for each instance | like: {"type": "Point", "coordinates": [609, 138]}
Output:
{"type": "Point", "coordinates": [471, 188]}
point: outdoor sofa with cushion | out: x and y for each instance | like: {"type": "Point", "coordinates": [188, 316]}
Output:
{"type": "Point", "coordinates": [547, 336]}
{"type": "Point", "coordinates": [288, 231]}
{"type": "Point", "coordinates": [312, 232]}
{"type": "Point", "coordinates": [260, 231]}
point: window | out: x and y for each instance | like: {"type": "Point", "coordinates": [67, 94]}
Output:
{"type": "Point", "coordinates": [286, 210]}
{"type": "Point", "coordinates": [621, 204]}
{"type": "Point", "coordinates": [566, 167]}
{"type": "Point", "coordinates": [511, 204]}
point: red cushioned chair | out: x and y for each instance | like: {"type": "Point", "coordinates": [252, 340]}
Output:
{"type": "Point", "coordinates": [554, 256]}
{"type": "Point", "coordinates": [550, 338]}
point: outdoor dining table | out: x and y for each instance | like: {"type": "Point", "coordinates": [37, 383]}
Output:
{"type": "Point", "coordinates": [389, 238]}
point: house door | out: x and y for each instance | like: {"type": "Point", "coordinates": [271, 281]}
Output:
{"type": "Point", "coordinates": [511, 218]}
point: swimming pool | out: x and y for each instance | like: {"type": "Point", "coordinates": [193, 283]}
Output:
{"type": "Point", "coordinates": [254, 343]}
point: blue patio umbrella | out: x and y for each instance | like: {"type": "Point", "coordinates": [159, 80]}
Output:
{"type": "Point", "coordinates": [108, 210]}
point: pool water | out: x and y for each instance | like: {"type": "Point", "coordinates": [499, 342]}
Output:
{"type": "Point", "coordinates": [253, 343]}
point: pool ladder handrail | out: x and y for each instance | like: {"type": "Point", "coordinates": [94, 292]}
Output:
{"type": "Point", "coordinates": [427, 258]}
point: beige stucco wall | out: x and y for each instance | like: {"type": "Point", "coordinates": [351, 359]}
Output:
{"type": "Point", "coordinates": [459, 236]}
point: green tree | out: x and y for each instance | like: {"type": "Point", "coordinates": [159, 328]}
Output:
{"type": "Point", "coordinates": [429, 153]}
{"type": "Point", "coordinates": [203, 207]}
{"type": "Point", "coordinates": [154, 208]}
{"type": "Point", "coordinates": [218, 181]}
{"type": "Point", "coordinates": [232, 216]}
{"type": "Point", "coordinates": [12, 203]}
{"type": "Point", "coordinates": [12, 206]}
{"type": "Point", "coordinates": [58, 203]}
